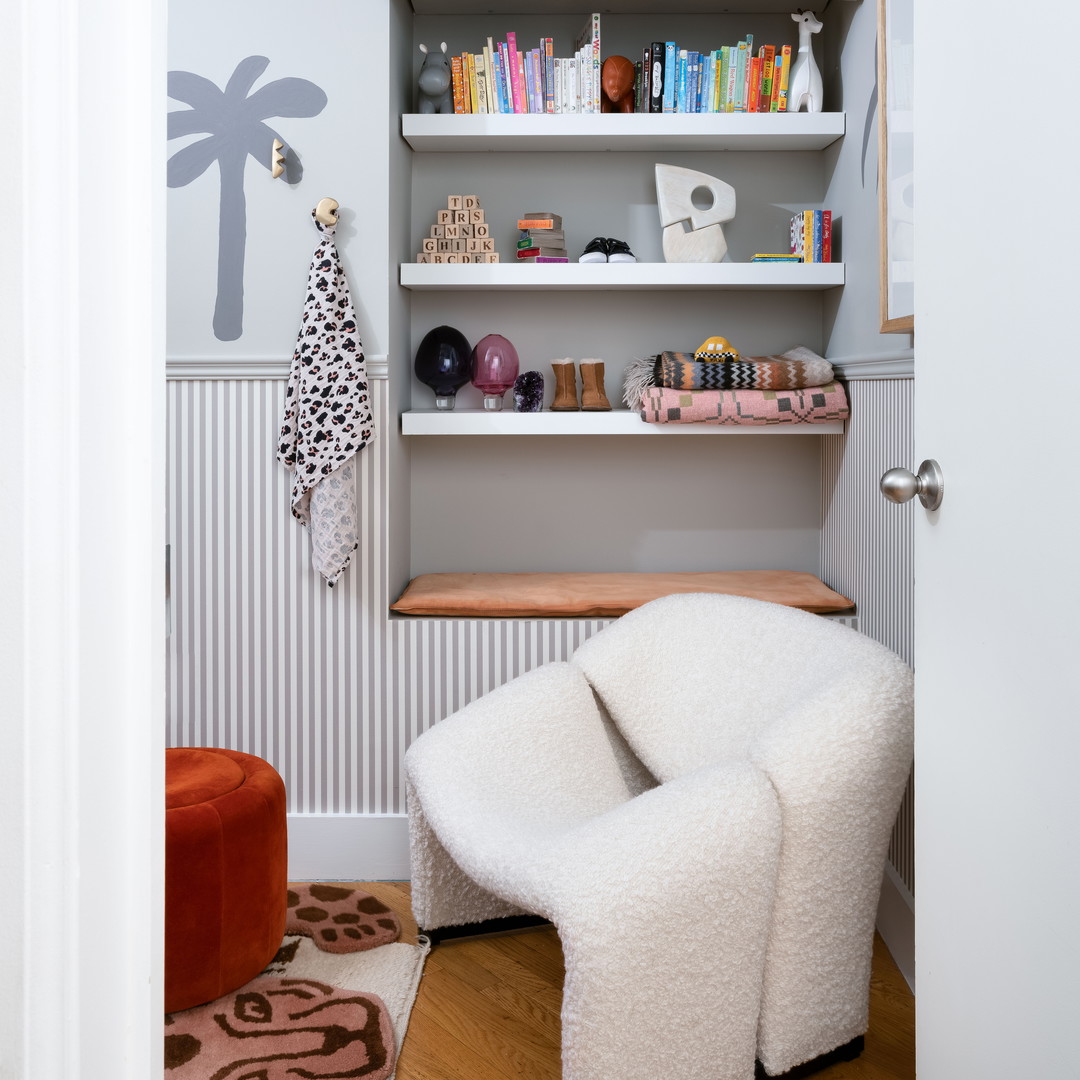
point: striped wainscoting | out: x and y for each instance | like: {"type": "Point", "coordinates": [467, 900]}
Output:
{"type": "Point", "coordinates": [868, 543]}
{"type": "Point", "coordinates": [264, 658]}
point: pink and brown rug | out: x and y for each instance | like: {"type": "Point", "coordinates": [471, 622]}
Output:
{"type": "Point", "coordinates": [334, 1001]}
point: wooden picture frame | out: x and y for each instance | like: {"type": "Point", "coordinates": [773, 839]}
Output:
{"type": "Point", "coordinates": [896, 177]}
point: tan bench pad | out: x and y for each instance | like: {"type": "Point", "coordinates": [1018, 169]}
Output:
{"type": "Point", "coordinates": [602, 595]}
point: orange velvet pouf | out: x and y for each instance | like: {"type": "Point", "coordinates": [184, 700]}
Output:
{"type": "Point", "coordinates": [225, 872]}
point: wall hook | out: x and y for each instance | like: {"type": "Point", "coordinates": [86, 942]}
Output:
{"type": "Point", "coordinates": [277, 159]}
{"type": "Point", "coordinates": [326, 211]}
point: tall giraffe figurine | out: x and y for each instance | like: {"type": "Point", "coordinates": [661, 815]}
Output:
{"type": "Point", "coordinates": [804, 82]}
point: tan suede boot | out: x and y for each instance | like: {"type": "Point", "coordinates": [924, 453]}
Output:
{"type": "Point", "coordinates": [566, 399]}
{"type": "Point", "coordinates": [593, 398]}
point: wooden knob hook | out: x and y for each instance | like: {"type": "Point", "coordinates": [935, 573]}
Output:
{"type": "Point", "coordinates": [326, 211]}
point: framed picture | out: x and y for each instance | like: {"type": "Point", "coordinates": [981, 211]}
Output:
{"type": "Point", "coordinates": [896, 164]}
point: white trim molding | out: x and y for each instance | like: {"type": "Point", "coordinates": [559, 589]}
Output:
{"type": "Point", "coordinates": [899, 365]}
{"type": "Point", "coordinates": [896, 922]}
{"type": "Point", "coordinates": [348, 847]}
{"type": "Point", "coordinates": [251, 367]}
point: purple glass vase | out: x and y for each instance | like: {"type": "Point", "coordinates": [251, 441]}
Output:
{"type": "Point", "coordinates": [494, 369]}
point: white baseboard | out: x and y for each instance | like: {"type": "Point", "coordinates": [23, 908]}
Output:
{"type": "Point", "coordinates": [348, 847]}
{"type": "Point", "coordinates": [896, 923]}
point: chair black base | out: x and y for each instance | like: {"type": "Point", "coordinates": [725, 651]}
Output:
{"type": "Point", "coordinates": [848, 1052]}
{"type": "Point", "coordinates": [512, 924]}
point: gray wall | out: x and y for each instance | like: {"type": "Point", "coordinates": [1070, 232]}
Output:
{"type": "Point", "coordinates": [262, 656]}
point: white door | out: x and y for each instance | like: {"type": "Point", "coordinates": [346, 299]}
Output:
{"type": "Point", "coordinates": [997, 331]}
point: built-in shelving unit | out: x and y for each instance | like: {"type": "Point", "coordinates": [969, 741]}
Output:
{"type": "Point", "coordinates": [616, 422]}
{"type": "Point", "coordinates": [657, 132]}
{"type": "Point", "coordinates": [786, 277]}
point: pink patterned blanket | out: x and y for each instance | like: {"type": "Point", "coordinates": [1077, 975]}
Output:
{"type": "Point", "coordinates": [809, 405]}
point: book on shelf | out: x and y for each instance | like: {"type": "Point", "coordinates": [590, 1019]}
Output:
{"type": "Point", "coordinates": [545, 259]}
{"type": "Point", "coordinates": [767, 55]}
{"type": "Point", "coordinates": [656, 77]}
{"type": "Point", "coordinates": [811, 235]}
{"type": "Point", "coordinates": [588, 48]}
{"type": "Point", "coordinates": [671, 63]}
{"type": "Point", "coordinates": [456, 85]}
{"type": "Point", "coordinates": [767, 256]}
{"type": "Point", "coordinates": [541, 253]}
{"type": "Point", "coordinates": [541, 238]}
{"type": "Point", "coordinates": [506, 77]}
{"type": "Point", "coordinates": [541, 220]}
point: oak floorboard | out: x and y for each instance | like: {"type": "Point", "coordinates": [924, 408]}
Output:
{"type": "Point", "coordinates": [488, 1009]}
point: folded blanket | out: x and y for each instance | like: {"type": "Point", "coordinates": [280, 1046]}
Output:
{"type": "Point", "coordinates": [789, 371]}
{"type": "Point", "coordinates": [794, 369]}
{"type": "Point", "coordinates": [808, 405]}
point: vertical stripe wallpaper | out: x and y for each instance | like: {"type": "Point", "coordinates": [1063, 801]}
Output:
{"type": "Point", "coordinates": [263, 657]}
{"type": "Point", "coordinates": [867, 548]}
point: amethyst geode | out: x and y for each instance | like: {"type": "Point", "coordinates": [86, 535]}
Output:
{"type": "Point", "coordinates": [529, 392]}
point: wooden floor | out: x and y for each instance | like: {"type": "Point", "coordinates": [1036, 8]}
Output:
{"type": "Point", "coordinates": [488, 1009]}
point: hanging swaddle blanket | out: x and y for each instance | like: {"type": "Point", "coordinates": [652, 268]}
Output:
{"type": "Point", "coordinates": [327, 413]}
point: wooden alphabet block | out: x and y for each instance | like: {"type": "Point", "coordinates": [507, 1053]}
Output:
{"type": "Point", "coordinates": [476, 216]}
{"type": "Point", "coordinates": [491, 257]}
{"type": "Point", "coordinates": [453, 202]}
{"type": "Point", "coordinates": [470, 202]}
{"type": "Point", "coordinates": [453, 258]}
{"type": "Point", "coordinates": [438, 232]}
{"type": "Point", "coordinates": [438, 258]}
{"type": "Point", "coordinates": [429, 245]}
{"type": "Point", "coordinates": [423, 258]}
{"type": "Point", "coordinates": [466, 231]}
{"type": "Point", "coordinates": [459, 245]}
{"type": "Point", "coordinates": [481, 230]}
{"type": "Point", "coordinates": [445, 217]}
{"type": "Point", "coordinates": [450, 232]}
{"type": "Point", "coordinates": [475, 245]}
{"type": "Point", "coordinates": [461, 217]}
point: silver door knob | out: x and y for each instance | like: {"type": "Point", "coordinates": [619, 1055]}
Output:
{"type": "Point", "coordinates": [900, 486]}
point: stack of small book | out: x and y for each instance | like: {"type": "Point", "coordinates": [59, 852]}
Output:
{"type": "Point", "coordinates": [542, 239]}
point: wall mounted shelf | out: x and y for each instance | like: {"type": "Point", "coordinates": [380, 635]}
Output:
{"type": "Point", "coordinates": [616, 422]}
{"type": "Point", "coordinates": [574, 7]}
{"type": "Point", "coordinates": [465, 277]}
{"type": "Point", "coordinates": [670, 132]}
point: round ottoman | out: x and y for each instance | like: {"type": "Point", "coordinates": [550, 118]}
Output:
{"type": "Point", "coordinates": [225, 872]}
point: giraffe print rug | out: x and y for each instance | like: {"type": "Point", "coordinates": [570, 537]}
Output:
{"type": "Point", "coordinates": [332, 1003]}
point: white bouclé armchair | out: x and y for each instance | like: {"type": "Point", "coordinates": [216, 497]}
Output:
{"type": "Point", "coordinates": [700, 800]}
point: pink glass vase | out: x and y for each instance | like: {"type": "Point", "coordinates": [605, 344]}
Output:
{"type": "Point", "coordinates": [494, 369]}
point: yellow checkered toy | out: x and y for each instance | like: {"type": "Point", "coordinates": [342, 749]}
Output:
{"type": "Point", "coordinates": [716, 348]}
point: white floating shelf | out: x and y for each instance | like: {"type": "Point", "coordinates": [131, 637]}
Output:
{"type": "Point", "coordinates": [615, 7]}
{"type": "Point", "coordinates": [465, 277]}
{"type": "Point", "coordinates": [608, 131]}
{"type": "Point", "coordinates": [616, 422]}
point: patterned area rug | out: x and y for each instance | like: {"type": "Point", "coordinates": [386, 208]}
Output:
{"type": "Point", "coordinates": [313, 1012]}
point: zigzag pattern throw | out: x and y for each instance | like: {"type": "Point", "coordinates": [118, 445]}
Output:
{"type": "Point", "coordinates": [792, 370]}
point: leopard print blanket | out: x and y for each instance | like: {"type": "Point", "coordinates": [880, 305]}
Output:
{"type": "Point", "coordinates": [327, 413]}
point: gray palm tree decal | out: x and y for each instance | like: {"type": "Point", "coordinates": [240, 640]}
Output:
{"type": "Point", "coordinates": [234, 124]}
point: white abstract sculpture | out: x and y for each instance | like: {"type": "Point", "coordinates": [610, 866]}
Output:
{"type": "Point", "coordinates": [804, 81]}
{"type": "Point", "coordinates": [693, 205]}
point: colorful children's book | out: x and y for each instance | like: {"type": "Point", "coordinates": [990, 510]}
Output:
{"type": "Point", "coordinates": [656, 77]}
{"type": "Point", "coordinates": [671, 63]}
{"type": "Point", "coordinates": [768, 59]}
{"type": "Point", "coordinates": [826, 236]}
{"type": "Point", "coordinates": [782, 92]}
{"type": "Point", "coordinates": [753, 84]}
